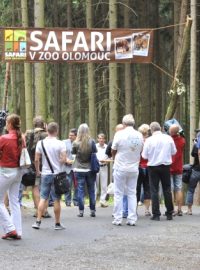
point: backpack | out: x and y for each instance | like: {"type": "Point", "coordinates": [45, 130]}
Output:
{"type": "Point", "coordinates": [32, 139]}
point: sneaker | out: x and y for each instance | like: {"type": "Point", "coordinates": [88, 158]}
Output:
{"type": "Point", "coordinates": [103, 204]}
{"type": "Point", "coordinates": [129, 223]}
{"type": "Point", "coordinates": [10, 235]}
{"type": "Point", "coordinates": [59, 226]}
{"type": "Point", "coordinates": [46, 215]}
{"type": "Point", "coordinates": [75, 203]}
{"type": "Point", "coordinates": [68, 204]}
{"type": "Point", "coordinates": [180, 213]}
{"type": "Point", "coordinates": [36, 225]}
{"type": "Point", "coordinates": [80, 215]}
{"type": "Point", "coordinates": [117, 223]}
{"type": "Point", "coordinates": [147, 213]}
{"type": "Point", "coordinates": [93, 214]}
{"type": "Point", "coordinates": [156, 218]}
{"type": "Point", "coordinates": [169, 217]}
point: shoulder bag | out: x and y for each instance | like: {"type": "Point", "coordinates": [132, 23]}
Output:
{"type": "Point", "coordinates": [28, 178]}
{"type": "Point", "coordinates": [187, 171]}
{"type": "Point", "coordinates": [61, 183]}
{"type": "Point", "coordinates": [95, 166]}
{"type": "Point", "coordinates": [25, 160]}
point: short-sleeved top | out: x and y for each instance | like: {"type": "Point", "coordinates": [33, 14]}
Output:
{"type": "Point", "coordinates": [128, 143]}
{"type": "Point", "coordinates": [159, 149]}
{"type": "Point", "coordinates": [101, 151]}
{"type": "Point", "coordinates": [54, 148]}
{"type": "Point", "coordinates": [68, 145]}
{"type": "Point", "coordinates": [177, 159]}
{"type": "Point", "coordinates": [9, 150]}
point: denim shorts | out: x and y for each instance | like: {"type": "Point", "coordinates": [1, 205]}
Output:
{"type": "Point", "coordinates": [47, 187]}
{"type": "Point", "coordinates": [176, 182]}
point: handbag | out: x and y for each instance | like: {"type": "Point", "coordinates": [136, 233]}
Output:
{"type": "Point", "coordinates": [95, 166]}
{"type": "Point", "coordinates": [28, 179]}
{"type": "Point", "coordinates": [61, 183]}
{"type": "Point", "coordinates": [187, 171]}
{"type": "Point", "coordinates": [25, 160]}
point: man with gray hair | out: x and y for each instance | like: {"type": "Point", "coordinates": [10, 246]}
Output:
{"type": "Point", "coordinates": [158, 149]}
{"type": "Point", "coordinates": [126, 148]}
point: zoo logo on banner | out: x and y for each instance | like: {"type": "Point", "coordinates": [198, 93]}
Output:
{"type": "Point", "coordinates": [78, 45]}
{"type": "Point", "coordinates": [15, 44]}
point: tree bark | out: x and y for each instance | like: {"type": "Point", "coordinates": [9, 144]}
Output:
{"type": "Point", "coordinates": [27, 74]}
{"type": "Point", "coordinates": [40, 93]}
{"type": "Point", "coordinates": [179, 68]}
{"type": "Point", "coordinates": [113, 83]}
{"type": "Point", "coordinates": [91, 85]}
{"type": "Point", "coordinates": [128, 76]}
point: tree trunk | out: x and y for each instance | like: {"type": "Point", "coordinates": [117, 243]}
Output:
{"type": "Point", "coordinates": [6, 82]}
{"type": "Point", "coordinates": [70, 76]}
{"type": "Point", "coordinates": [91, 85]}
{"type": "Point", "coordinates": [128, 81]}
{"type": "Point", "coordinates": [113, 83]}
{"type": "Point", "coordinates": [27, 74]}
{"type": "Point", "coordinates": [179, 68]}
{"type": "Point", "coordinates": [40, 93]}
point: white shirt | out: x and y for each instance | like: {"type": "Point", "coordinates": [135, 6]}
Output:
{"type": "Point", "coordinates": [53, 147]}
{"type": "Point", "coordinates": [158, 149]}
{"type": "Point", "coordinates": [128, 143]}
{"type": "Point", "coordinates": [101, 151]}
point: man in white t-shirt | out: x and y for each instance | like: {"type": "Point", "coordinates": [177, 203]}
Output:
{"type": "Point", "coordinates": [102, 176]}
{"type": "Point", "coordinates": [56, 151]}
{"type": "Point", "coordinates": [126, 149]}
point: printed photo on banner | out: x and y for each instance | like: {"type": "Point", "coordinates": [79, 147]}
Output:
{"type": "Point", "coordinates": [123, 47]}
{"type": "Point", "coordinates": [141, 44]}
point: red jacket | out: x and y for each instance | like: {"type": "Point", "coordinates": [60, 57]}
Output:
{"type": "Point", "coordinates": [9, 150]}
{"type": "Point", "coordinates": [177, 159]}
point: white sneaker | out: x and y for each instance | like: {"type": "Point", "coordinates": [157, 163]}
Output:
{"type": "Point", "coordinates": [59, 227]}
{"type": "Point", "coordinates": [129, 223]}
{"type": "Point", "coordinates": [117, 223]}
{"type": "Point", "coordinates": [103, 204]}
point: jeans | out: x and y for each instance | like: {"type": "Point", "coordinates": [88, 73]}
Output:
{"type": "Point", "coordinates": [194, 179]}
{"type": "Point", "coordinates": [10, 179]}
{"type": "Point", "coordinates": [157, 174]}
{"type": "Point", "coordinates": [68, 196]}
{"type": "Point", "coordinates": [143, 179]}
{"type": "Point", "coordinates": [47, 187]}
{"type": "Point", "coordinates": [87, 178]}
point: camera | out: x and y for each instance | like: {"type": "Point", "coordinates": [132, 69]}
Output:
{"type": "Point", "coordinates": [170, 122]}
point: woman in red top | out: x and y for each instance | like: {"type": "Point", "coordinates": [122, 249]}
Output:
{"type": "Point", "coordinates": [10, 177]}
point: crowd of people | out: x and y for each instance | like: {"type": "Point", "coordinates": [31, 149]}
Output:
{"type": "Point", "coordinates": [144, 159]}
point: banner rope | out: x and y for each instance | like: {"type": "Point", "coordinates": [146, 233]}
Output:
{"type": "Point", "coordinates": [164, 71]}
{"type": "Point", "coordinates": [168, 26]}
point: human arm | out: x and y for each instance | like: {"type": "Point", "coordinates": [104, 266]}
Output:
{"type": "Point", "coordinates": [37, 163]}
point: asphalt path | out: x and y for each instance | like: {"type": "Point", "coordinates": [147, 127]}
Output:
{"type": "Point", "coordinates": [94, 243]}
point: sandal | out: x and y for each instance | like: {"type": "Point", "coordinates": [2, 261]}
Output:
{"type": "Point", "coordinates": [189, 212]}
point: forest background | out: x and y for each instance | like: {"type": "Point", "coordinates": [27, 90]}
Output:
{"type": "Point", "coordinates": [100, 94]}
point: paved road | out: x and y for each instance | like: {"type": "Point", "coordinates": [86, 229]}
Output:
{"type": "Point", "coordinates": [94, 243]}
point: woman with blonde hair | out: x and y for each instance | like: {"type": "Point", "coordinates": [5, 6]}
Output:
{"type": "Point", "coordinates": [10, 177]}
{"type": "Point", "coordinates": [82, 148]}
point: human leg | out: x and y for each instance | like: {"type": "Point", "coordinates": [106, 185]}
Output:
{"type": "Point", "coordinates": [164, 172]}
{"type": "Point", "coordinates": [90, 181]}
{"type": "Point", "coordinates": [104, 184]}
{"type": "Point", "coordinates": [68, 194]}
{"type": "Point", "coordinates": [131, 183]}
{"type": "Point", "coordinates": [75, 190]}
{"type": "Point", "coordinates": [13, 194]}
{"type": "Point", "coordinates": [5, 181]}
{"type": "Point", "coordinates": [119, 184]}
{"type": "Point", "coordinates": [194, 178]}
{"type": "Point", "coordinates": [80, 176]}
{"type": "Point", "coordinates": [178, 192]}
{"type": "Point", "coordinates": [154, 189]}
